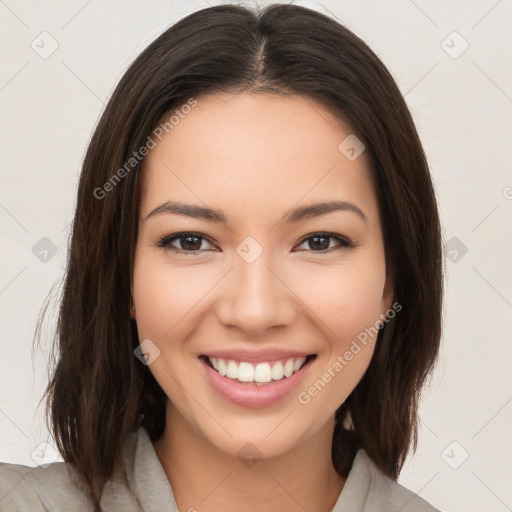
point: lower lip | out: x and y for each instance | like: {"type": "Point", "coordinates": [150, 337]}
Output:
{"type": "Point", "coordinates": [251, 395]}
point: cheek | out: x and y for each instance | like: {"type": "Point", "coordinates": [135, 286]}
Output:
{"type": "Point", "coordinates": [165, 295]}
{"type": "Point", "coordinates": [163, 298]}
{"type": "Point", "coordinates": [347, 301]}
{"type": "Point", "coordinates": [359, 305]}
{"type": "Point", "coordinates": [349, 305]}
{"type": "Point", "coordinates": [347, 298]}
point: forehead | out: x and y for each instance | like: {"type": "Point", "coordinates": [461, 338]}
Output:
{"type": "Point", "coordinates": [263, 151]}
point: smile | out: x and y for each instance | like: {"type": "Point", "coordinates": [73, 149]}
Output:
{"type": "Point", "coordinates": [255, 384]}
{"type": "Point", "coordinates": [260, 373]}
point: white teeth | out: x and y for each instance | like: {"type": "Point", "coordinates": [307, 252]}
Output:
{"type": "Point", "coordinates": [232, 370]}
{"type": "Point", "coordinates": [245, 372]}
{"type": "Point", "coordinates": [261, 373]}
{"type": "Point", "coordinates": [288, 368]}
{"type": "Point", "coordinates": [277, 371]}
{"type": "Point", "coordinates": [298, 363]}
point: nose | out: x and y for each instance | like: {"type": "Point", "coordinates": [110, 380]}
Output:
{"type": "Point", "coordinates": [256, 296]}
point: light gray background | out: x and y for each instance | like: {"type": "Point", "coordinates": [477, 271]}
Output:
{"type": "Point", "coordinates": [462, 107]}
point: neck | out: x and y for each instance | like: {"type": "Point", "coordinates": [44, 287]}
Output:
{"type": "Point", "coordinates": [205, 478]}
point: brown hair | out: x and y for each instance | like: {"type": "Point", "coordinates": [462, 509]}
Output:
{"type": "Point", "coordinates": [99, 392]}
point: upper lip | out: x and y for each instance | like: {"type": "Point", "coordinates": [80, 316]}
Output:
{"type": "Point", "coordinates": [256, 356]}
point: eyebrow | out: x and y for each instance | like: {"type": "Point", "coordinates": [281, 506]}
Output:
{"type": "Point", "coordinates": [293, 216]}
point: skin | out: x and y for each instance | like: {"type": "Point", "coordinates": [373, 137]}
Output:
{"type": "Point", "coordinates": [255, 157]}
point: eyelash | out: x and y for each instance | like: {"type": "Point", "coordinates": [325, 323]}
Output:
{"type": "Point", "coordinates": [164, 243]}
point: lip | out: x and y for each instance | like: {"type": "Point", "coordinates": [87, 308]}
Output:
{"type": "Point", "coordinates": [251, 395]}
{"type": "Point", "coordinates": [267, 355]}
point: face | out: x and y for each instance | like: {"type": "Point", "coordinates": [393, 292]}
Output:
{"type": "Point", "coordinates": [246, 278]}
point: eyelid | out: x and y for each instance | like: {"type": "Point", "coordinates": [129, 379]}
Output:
{"type": "Point", "coordinates": [345, 241]}
{"type": "Point", "coordinates": [165, 241]}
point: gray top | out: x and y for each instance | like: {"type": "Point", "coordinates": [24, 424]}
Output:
{"type": "Point", "coordinates": [57, 487]}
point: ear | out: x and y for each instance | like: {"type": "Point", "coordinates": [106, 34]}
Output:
{"type": "Point", "coordinates": [132, 304]}
{"type": "Point", "coordinates": [132, 307]}
{"type": "Point", "coordinates": [388, 292]}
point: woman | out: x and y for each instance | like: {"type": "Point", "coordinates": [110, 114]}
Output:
{"type": "Point", "coordinates": [253, 295]}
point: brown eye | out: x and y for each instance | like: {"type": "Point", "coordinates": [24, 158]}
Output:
{"type": "Point", "coordinates": [321, 242]}
{"type": "Point", "coordinates": [186, 243]}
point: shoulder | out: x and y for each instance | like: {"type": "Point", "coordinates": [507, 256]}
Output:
{"type": "Point", "coordinates": [385, 494]}
{"type": "Point", "coordinates": [53, 486]}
